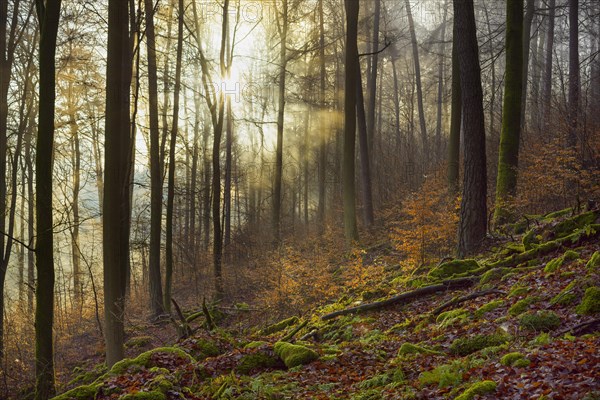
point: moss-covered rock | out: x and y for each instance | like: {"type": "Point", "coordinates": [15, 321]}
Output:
{"type": "Point", "coordinates": [468, 345]}
{"type": "Point", "coordinates": [145, 359]}
{"type": "Point", "coordinates": [570, 225]}
{"type": "Point", "coordinates": [279, 326]}
{"type": "Point", "coordinates": [294, 355]}
{"type": "Point", "coordinates": [255, 361]}
{"type": "Point", "coordinates": [138, 341]}
{"type": "Point", "coordinates": [514, 359]}
{"type": "Point", "coordinates": [478, 388]}
{"type": "Point", "coordinates": [153, 395]}
{"type": "Point", "coordinates": [409, 348]}
{"type": "Point", "coordinates": [448, 318]}
{"type": "Point", "coordinates": [566, 296]}
{"type": "Point", "coordinates": [489, 307]}
{"type": "Point", "coordinates": [522, 305]}
{"type": "Point", "coordinates": [540, 321]}
{"type": "Point", "coordinates": [255, 344]}
{"type": "Point", "coordinates": [530, 239]}
{"type": "Point", "coordinates": [590, 304]}
{"type": "Point", "coordinates": [444, 375]}
{"type": "Point", "coordinates": [454, 267]}
{"type": "Point", "coordinates": [493, 274]}
{"type": "Point", "coordinates": [594, 262]}
{"type": "Point", "coordinates": [85, 392]}
{"type": "Point", "coordinates": [554, 264]}
{"type": "Point", "coordinates": [87, 377]}
{"type": "Point", "coordinates": [517, 291]}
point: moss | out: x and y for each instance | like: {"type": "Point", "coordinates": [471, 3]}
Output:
{"type": "Point", "coordinates": [454, 267]}
{"type": "Point", "coordinates": [540, 321]}
{"type": "Point", "coordinates": [206, 348]}
{"type": "Point", "coordinates": [486, 308]}
{"type": "Point", "coordinates": [154, 395]}
{"type": "Point", "coordinates": [252, 362]}
{"type": "Point", "coordinates": [255, 344]}
{"type": "Point", "coordinates": [478, 388]}
{"type": "Point", "coordinates": [594, 261]}
{"type": "Point", "coordinates": [279, 326]}
{"type": "Point", "coordinates": [566, 296]}
{"type": "Point", "coordinates": [493, 274]}
{"type": "Point", "coordinates": [87, 377]}
{"type": "Point", "coordinates": [541, 340]}
{"type": "Point", "coordinates": [468, 345]}
{"type": "Point", "coordinates": [554, 264]}
{"type": "Point", "coordinates": [522, 305]}
{"type": "Point", "coordinates": [443, 375]}
{"type": "Point", "coordinates": [530, 240]}
{"type": "Point", "coordinates": [448, 318]}
{"type": "Point", "coordinates": [571, 255]}
{"type": "Point", "coordinates": [145, 359]}
{"type": "Point", "coordinates": [409, 348]}
{"type": "Point", "coordinates": [558, 214]}
{"type": "Point", "coordinates": [85, 392]}
{"type": "Point", "coordinates": [294, 355]}
{"type": "Point", "coordinates": [510, 358]}
{"type": "Point", "coordinates": [138, 341]}
{"type": "Point", "coordinates": [517, 291]}
{"type": "Point", "coordinates": [569, 225]}
{"type": "Point", "coordinates": [522, 363]}
{"type": "Point", "coordinates": [384, 379]}
{"type": "Point", "coordinates": [590, 304]}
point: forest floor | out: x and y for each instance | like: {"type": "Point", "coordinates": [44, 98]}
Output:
{"type": "Point", "coordinates": [519, 321]}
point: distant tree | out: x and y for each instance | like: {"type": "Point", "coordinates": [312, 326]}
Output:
{"type": "Point", "coordinates": [547, 82]}
{"type": "Point", "coordinates": [508, 161]}
{"type": "Point", "coordinates": [473, 210]}
{"type": "Point", "coordinates": [48, 14]}
{"type": "Point", "coordinates": [574, 71]}
{"type": "Point", "coordinates": [117, 164]}
{"type": "Point", "coordinates": [351, 71]}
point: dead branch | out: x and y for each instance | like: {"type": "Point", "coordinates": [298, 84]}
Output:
{"type": "Point", "coordinates": [581, 329]}
{"type": "Point", "coordinates": [462, 299]}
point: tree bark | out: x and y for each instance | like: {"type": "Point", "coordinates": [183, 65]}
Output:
{"type": "Point", "coordinates": [529, 13]}
{"type": "Point", "coordinates": [117, 161]}
{"type": "Point", "coordinates": [547, 85]}
{"type": "Point", "coordinates": [365, 163]}
{"type": "Point", "coordinates": [455, 118]}
{"type": "Point", "coordinates": [156, 189]}
{"type": "Point", "coordinates": [352, 71]}
{"type": "Point", "coordinates": [473, 211]}
{"type": "Point", "coordinates": [508, 160]}
{"type": "Point", "coordinates": [49, 15]}
{"type": "Point", "coordinates": [440, 94]}
{"type": "Point", "coordinates": [372, 81]}
{"type": "Point", "coordinates": [574, 79]}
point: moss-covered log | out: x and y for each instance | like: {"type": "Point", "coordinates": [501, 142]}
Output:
{"type": "Point", "coordinates": [407, 297]}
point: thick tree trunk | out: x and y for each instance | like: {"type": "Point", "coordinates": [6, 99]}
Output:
{"type": "Point", "coordinates": [49, 15]}
{"type": "Point", "coordinates": [117, 163]}
{"type": "Point", "coordinates": [529, 12]}
{"type": "Point", "coordinates": [351, 84]}
{"type": "Point", "coordinates": [372, 80]}
{"type": "Point", "coordinates": [473, 210]}
{"type": "Point", "coordinates": [365, 164]}
{"type": "Point", "coordinates": [508, 161]}
{"type": "Point", "coordinates": [154, 274]}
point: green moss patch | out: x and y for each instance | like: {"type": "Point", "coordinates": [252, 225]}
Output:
{"type": "Point", "coordinates": [454, 267]}
{"type": "Point", "coordinates": [478, 388]}
{"type": "Point", "coordinates": [468, 345]}
{"type": "Point", "coordinates": [514, 359]}
{"type": "Point", "coordinates": [590, 304]}
{"type": "Point", "coordinates": [444, 375]}
{"type": "Point", "coordinates": [138, 341]}
{"type": "Point", "coordinates": [570, 225]}
{"type": "Point", "coordinates": [540, 321]}
{"type": "Point", "coordinates": [451, 317]}
{"type": "Point", "coordinates": [145, 359]}
{"type": "Point", "coordinates": [489, 307]}
{"type": "Point", "coordinates": [517, 291]}
{"type": "Point", "coordinates": [85, 392]}
{"type": "Point", "coordinates": [256, 361]}
{"type": "Point", "coordinates": [594, 261]}
{"type": "Point", "coordinates": [522, 305]}
{"type": "Point", "coordinates": [279, 326]}
{"type": "Point", "coordinates": [154, 395]}
{"type": "Point", "coordinates": [294, 355]}
{"type": "Point", "coordinates": [409, 348]}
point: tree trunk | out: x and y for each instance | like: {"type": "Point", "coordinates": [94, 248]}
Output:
{"type": "Point", "coordinates": [350, 102]}
{"type": "Point", "coordinates": [547, 85]}
{"type": "Point", "coordinates": [372, 81]}
{"type": "Point", "coordinates": [117, 157]}
{"type": "Point", "coordinates": [365, 164]}
{"type": "Point", "coordinates": [440, 94]}
{"type": "Point", "coordinates": [455, 118]}
{"type": "Point", "coordinates": [508, 160]}
{"type": "Point", "coordinates": [48, 15]}
{"type": "Point", "coordinates": [473, 210]}
{"type": "Point", "coordinates": [415, 51]}
{"type": "Point", "coordinates": [172, 162]}
{"type": "Point", "coordinates": [283, 30]}
{"type": "Point", "coordinates": [154, 274]}
{"type": "Point", "coordinates": [529, 12]}
{"type": "Point", "coordinates": [76, 160]}
{"type": "Point", "coordinates": [323, 136]}
{"type": "Point", "coordinates": [574, 80]}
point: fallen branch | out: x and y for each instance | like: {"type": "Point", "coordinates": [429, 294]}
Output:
{"type": "Point", "coordinates": [581, 329]}
{"type": "Point", "coordinates": [462, 299]}
{"type": "Point", "coordinates": [452, 284]}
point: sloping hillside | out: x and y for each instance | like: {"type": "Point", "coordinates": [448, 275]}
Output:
{"type": "Point", "coordinates": [519, 321]}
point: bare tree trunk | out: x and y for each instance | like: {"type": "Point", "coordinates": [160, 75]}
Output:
{"type": "Point", "coordinates": [76, 160]}
{"type": "Point", "coordinates": [365, 164]}
{"type": "Point", "coordinates": [528, 20]}
{"type": "Point", "coordinates": [455, 119]}
{"type": "Point", "coordinates": [48, 14]}
{"type": "Point", "coordinates": [415, 50]}
{"type": "Point", "coordinates": [323, 135]}
{"type": "Point", "coordinates": [547, 85]}
{"type": "Point", "coordinates": [117, 174]}
{"type": "Point", "coordinates": [372, 81]}
{"type": "Point", "coordinates": [574, 80]}
{"type": "Point", "coordinates": [441, 73]}
{"type": "Point", "coordinates": [350, 104]}
{"type": "Point", "coordinates": [172, 162]}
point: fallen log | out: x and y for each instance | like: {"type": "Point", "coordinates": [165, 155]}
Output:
{"type": "Point", "coordinates": [462, 299]}
{"type": "Point", "coordinates": [590, 326]}
{"type": "Point", "coordinates": [452, 284]}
